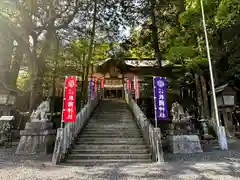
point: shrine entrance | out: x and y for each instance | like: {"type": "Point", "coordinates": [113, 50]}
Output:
{"type": "Point", "coordinates": [113, 88]}
{"type": "Point", "coordinates": [113, 93]}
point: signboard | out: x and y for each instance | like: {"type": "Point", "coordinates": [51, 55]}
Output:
{"type": "Point", "coordinates": [160, 98]}
{"type": "Point", "coordinates": [69, 111]}
{"type": "Point", "coordinates": [7, 118]}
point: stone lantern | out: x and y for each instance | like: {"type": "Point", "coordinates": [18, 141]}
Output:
{"type": "Point", "coordinates": [226, 101]}
{"type": "Point", "coordinates": [7, 101]}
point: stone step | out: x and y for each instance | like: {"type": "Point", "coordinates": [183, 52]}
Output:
{"type": "Point", "coordinates": [78, 162]}
{"type": "Point", "coordinates": [111, 134]}
{"type": "Point", "coordinates": [115, 115]}
{"type": "Point", "coordinates": [111, 147]}
{"type": "Point", "coordinates": [120, 130]}
{"type": "Point", "coordinates": [106, 142]}
{"type": "Point", "coordinates": [131, 123]}
{"type": "Point", "coordinates": [132, 130]}
{"type": "Point", "coordinates": [110, 156]}
{"type": "Point", "coordinates": [111, 125]}
{"type": "Point", "coordinates": [115, 126]}
{"type": "Point", "coordinates": [112, 120]}
{"type": "Point", "coordinates": [103, 135]}
{"type": "Point", "coordinates": [116, 139]}
{"type": "Point", "coordinates": [111, 131]}
{"type": "Point", "coordinates": [112, 110]}
{"type": "Point", "coordinates": [110, 151]}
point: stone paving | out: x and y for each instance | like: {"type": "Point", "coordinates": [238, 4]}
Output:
{"type": "Point", "coordinates": [219, 165]}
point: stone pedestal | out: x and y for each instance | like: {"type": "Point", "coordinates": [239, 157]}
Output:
{"type": "Point", "coordinates": [38, 137]}
{"type": "Point", "coordinates": [184, 144]}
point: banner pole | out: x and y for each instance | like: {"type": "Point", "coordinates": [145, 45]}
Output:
{"type": "Point", "coordinates": [154, 98]}
{"type": "Point", "coordinates": [64, 90]}
{"type": "Point", "coordinates": [219, 127]}
{"type": "Point", "coordinates": [156, 126]}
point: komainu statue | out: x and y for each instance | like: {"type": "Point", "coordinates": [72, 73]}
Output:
{"type": "Point", "coordinates": [42, 111]}
{"type": "Point", "coordinates": [177, 112]}
{"type": "Point", "coordinates": [181, 120]}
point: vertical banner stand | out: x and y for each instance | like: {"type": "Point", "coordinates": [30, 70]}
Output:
{"type": "Point", "coordinates": [156, 125]}
{"type": "Point", "coordinates": [62, 120]}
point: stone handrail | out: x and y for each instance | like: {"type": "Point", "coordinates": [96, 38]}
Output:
{"type": "Point", "coordinates": [151, 135]}
{"type": "Point", "coordinates": [66, 136]}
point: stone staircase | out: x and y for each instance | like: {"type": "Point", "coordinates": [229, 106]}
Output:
{"type": "Point", "coordinates": [111, 136]}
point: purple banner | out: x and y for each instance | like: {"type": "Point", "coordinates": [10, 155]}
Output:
{"type": "Point", "coordinates": [91, 89]}
{"type": "Point", "coordinates": [160, 98]}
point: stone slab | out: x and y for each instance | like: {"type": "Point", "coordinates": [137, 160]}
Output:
{"type": "Point", "coordinates": [38, 137]}
{"type": "Point", "coordinates": [33, 132]}
{"type": "Point", "coordinates": [39, 125]}
{"type": "Point", "coordinates": [36, 144]}
{"type": "Point", "coordinates": [184, 144]}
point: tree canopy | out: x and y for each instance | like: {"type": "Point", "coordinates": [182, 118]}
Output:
{"type": "Point", "coordinates": [51, 39]}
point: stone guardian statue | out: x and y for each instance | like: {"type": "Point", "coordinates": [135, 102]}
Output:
{"type": "Point", "coordinates": [41, 112]}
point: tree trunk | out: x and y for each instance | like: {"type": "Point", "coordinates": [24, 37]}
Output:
{"type": "Point", "coordinates": [155, 41]}
{"type": "Point", "coordinates": [199, 94]}
{"type": "Point", "coordinates": [206, 112]}
{"type": "Point", "coordinates": [38, 68]}
{"type": "Point", "coordinates": [37, 81]}
{"type": "Point", "coordinates": [83, 70]}
{"type": "Point", "coordinates": [90, 52]}
{"type": "Point", "coordinates": [15, 66]}
{"type": "Point", "coordinates": [6, 49]}
{"type": "Point", "coordinates": [54, 73]}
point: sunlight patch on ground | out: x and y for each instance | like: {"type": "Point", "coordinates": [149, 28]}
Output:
{"type": "Point", "coordinates": [150, 171]}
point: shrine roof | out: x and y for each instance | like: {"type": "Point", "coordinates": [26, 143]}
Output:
{"type": "Point", "coordinates": [135, 62]}
{"type": "Point", "coordinates": [220, 88]}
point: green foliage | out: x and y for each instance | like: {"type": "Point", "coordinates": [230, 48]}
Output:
{"type": "Point", "coordinates": [139, 45]}
{"type": "Point", "coordinates": [228, 13]}
{"type": "Point", "coordinates": [23, 82]}
{"type": "Point", "coordinates": [179, 25]}
{"type": "Point", "coordinates": [178, 54]}
{"type": "Point", "coordinates": [101, 51]}
{"type": "Point", "coordinates": [234, 69]}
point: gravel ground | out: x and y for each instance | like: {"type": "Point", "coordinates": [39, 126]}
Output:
{"type": "Point", "coordinates": [220, 165]}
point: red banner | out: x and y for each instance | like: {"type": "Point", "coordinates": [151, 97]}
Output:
{"type": "Point", "coordinates": [102, 83]}
{"type": "Point", "coordinates": [129, 84]}
{"type": "Point", "coordinates": [136, 87]}
{"type": "Point", "coordinates": [69, 111]}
